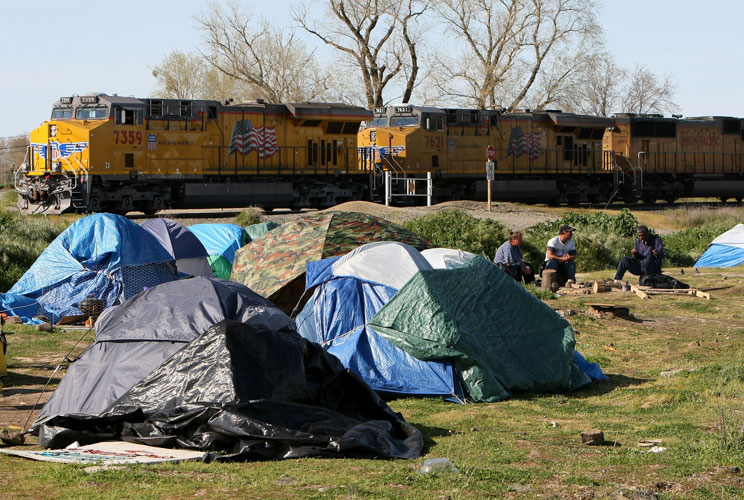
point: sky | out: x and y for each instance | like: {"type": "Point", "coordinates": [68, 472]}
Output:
{"type": "Point", "coordinates": [51, 49]}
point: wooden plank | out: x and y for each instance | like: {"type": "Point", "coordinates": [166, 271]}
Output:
{"type": "Point", "coordinates": [700, 293]}
{"type": "Point", "coordinates": [642, 294]}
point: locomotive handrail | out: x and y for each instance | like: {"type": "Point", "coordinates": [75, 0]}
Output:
{"type": "Point", "coordinates": [640, 169]}
{"type": "Point", "coordinates": [392, 163]}
{"type": "Point", "coordinates": [18, 170]}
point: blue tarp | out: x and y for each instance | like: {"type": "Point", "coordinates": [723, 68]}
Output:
{"type": "Point", "coordinates": [180, 242]}
{"type": "Point", "coordinates": [721, 256]}
{"type": "Point", "coordinates": [221, 239]}
{"type": "Point", "coordinates": [256, 230]}
{"type": "Point", "coordinates": [25, 308]}
{"type": "Point", "coordinates": [336, 317]}
{"type": "Point", "coordinates": [103, 255]}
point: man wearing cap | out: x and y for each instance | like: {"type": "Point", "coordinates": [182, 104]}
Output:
{"type": "Point", "coordinates": [561, 254]}
{"type": "Point", "coordinates": [646, 256]}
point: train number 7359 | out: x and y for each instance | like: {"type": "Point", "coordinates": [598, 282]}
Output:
{"type": "Point", "coordinates": [127, 137]}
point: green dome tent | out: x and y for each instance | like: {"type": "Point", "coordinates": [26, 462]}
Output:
{"type": "Point", "coordinates": [500, 337]}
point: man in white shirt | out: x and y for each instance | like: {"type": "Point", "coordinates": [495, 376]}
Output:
{"type": "Point", "coordinates": [561, 255]}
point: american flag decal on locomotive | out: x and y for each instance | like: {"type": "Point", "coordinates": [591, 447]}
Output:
{"type": "Point", "coordinates": [521, 143]}
{"type": "Point", "coordinates": [247, 138]}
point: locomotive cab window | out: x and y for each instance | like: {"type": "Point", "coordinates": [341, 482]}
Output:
{"type": "Point", "coordinates": [61, 113]}
{"type": "Point", "coordinates": [378, 122]}
{"type": "Point", "coordinates": [126, 116]}
{"type": "Point", "coordinates": [97, 113]}
{"type": "Point", "coordinates": [404, 121]}
{"type": "Point", "coordinates": [434, 123]}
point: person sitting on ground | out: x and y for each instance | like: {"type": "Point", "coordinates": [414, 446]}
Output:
{"type": "Point", "coordinates": [646, 256]}
{"type": "Point", "coordinates": [561, 255]}
{"type": "Point", "coordinates": [509, 259]}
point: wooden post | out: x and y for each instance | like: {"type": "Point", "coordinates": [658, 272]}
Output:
{"type": "Point", "coordinates": [549, 278]}
{"type": "Point", "coordinates": [489, 195]}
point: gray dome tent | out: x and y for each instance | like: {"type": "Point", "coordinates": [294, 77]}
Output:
{"type": "Point", "coordinates": [136, 337]}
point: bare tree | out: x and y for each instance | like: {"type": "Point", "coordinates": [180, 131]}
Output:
{"type": "Point", "coordinates": [190, 76]}
{"type": "Point", "coordinates": [507, 45]}
{"type": "Point", "coordinates": [180, 76]}
{"type": "Point", "coordinates": [272, 62]}
{"type": "Point", "coordinates": [598, 86]}
{"type": "Point", "coordinates": [12, 153]}
{"type": "Point", "coordinates": [377, 35]}
{"type": "Point", "coordinates": [646, 93]}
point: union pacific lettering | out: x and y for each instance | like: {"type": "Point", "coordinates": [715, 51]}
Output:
{"type": "Point", "coordinates": [694, 141]}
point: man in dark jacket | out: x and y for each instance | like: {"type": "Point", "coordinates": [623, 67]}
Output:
{"type": "Point", "coordinates": [646, 256]}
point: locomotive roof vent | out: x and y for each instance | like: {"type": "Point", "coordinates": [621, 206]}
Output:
{"type": "Point", "coordinates": [553, 110]}
{"type": "Point", "coordinates": [521, 110]}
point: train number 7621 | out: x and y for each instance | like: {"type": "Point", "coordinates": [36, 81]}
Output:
{"type": "Point", "coordinates": [434, 141]}
{"type": "Point", "coordinates": [127, 137]}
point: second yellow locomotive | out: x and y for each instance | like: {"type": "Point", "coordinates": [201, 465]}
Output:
{"type": "Point", "coordinates": [551, 156]}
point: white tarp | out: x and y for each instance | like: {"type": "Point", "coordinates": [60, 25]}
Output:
{"type": "Point", "coordinates": [108, 453]}
{"type": "Point", "coordinates": [734, 237]}
{"type": "Point", "coordinates": [446, 258]}
{"type": "Point", "coordinates": [385, 262]}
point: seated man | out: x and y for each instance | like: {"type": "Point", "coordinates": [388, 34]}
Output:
{"type": "Point", "coordinates": [646, 256]}
{"type": "Point", "coordinates": [561, 255]}
{"type": "Point", "coordinates": [509, 258]}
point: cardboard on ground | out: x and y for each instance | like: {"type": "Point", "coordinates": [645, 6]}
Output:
{"type": "Point", "coordinates": [108, 453]}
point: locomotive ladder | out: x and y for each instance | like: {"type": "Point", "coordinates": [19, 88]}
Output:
{"type": "Point", "coordinates": [624, 171]}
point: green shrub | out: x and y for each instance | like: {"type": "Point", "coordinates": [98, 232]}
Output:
{"type": "Point", "coordinates": [22, 239]}
{"type": "Point", "coordinates": [456, 229]}
{"type": "Point", "coordinates": [249, 216]}
{"type": "Point", "coordinates": [683, 248]}
{"type": "Point", "coordinates": [601, 240]}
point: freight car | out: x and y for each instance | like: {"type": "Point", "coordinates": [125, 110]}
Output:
{"type": "Point", "coordinates": [555, 157]}
{"type": "Point", "coordinates": [102, 152]}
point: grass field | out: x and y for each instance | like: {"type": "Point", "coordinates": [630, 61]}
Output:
{"type": "Point", "coordinates": [525, 447]}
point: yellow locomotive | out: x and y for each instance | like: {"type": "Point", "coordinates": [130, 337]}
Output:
{"type": "Point", "coordinates": [670, 158]}
{"type": "Point", "coordinates": [103, 152]}
{"type": "Point", "coordinates": [551, 156]}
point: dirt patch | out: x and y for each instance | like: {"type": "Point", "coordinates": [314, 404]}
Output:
{"type": "Point", "coordinates": [511, 215]}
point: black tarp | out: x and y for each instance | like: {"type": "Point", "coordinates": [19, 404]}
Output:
{"type": "Point", "coordinates": [247, 392]}
{"type": "Point", "coordinates": [134, 338]}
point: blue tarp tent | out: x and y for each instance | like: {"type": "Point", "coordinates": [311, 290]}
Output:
{"type": "Point", "coordinates": [103, 255]}
{"type": "Point", "coordinates": [25, 308]}
{"type": "Point", "coordinates": [221, 242]}
{"type": "Point", "coordinates": [727, 250]}
{"type": "Point", "coordinates": [183, 245]}
{"type": "Point", "coordinates": [256, 230]}
{"type": "Point", "coordinates": [350, 290]}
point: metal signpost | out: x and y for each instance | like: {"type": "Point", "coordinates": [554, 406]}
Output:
{"type": "Point", "coordinates": [490, 166]}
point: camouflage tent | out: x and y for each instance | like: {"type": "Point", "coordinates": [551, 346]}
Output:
{"type": "Point", "coordinates": [273, 265]}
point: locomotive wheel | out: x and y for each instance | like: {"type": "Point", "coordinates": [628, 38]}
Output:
{"type": "Point", "coordinates": [670, 199]}
{"type": "Point", "coordinates": [723, 199]}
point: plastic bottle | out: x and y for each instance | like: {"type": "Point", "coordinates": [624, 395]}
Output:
{"type": "Point", "coordinates": [437, 466]}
